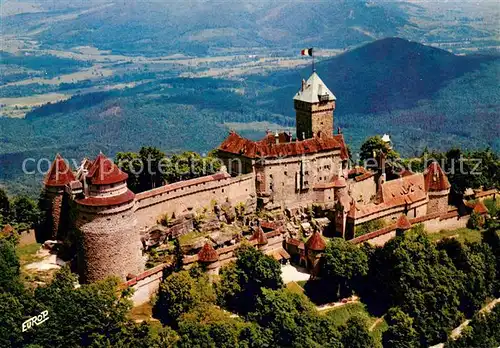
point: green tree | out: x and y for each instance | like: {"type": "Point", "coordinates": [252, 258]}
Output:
{"type": "Point", "coordinates": [80, 316]}
{"type": "Point", "coordinates": [152, 159]}
{"type": "Point", "coordinates": [481, 332]}
{"type": "Point", "coordinates": [344, 265]}
{"type": "Point", "coordinates": [209, 326]}
{"type": "Point", "coordinates": [25, 211]}
{"type": "Point", "coordinates": [476, 221]}
{"type": "Point", "coordinates": [409, 272]}
{"type": "Point", "coordinates": [293, 320]}
{"type": "Point", "coordinates": [355, 333]}
{"type": "Point", "coordinates": [9, 267]}
{"type": "Point", "coordinates": [491, 237]}
{"type": "Point", "coordinates": [130, 163]}
{"type": "Point", "coordinates": [375, 145]}
{"type": "Point", "coordinates": [476, 267]}
{"type": "Point", "coordinates": [11, 316]}
{"type": "Point", "coordinates": [241, 282]}
{"type": "Point", "coordinates": [4, 207]}
{"type": "Point", "coordinates": [400, 333]}
{"type": "Point", "coordinates": [179, 293]}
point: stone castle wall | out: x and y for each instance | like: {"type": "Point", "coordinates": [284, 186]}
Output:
{"type": "Point", "coordinates": [363, 191]}
{"type": "Point", "coordinates": [192, 195]}
{"type": "Point", "coordinates": [415, 209]}
{"type": "Point", "coordinates": [52, 205]}
{"type": "Point", "coordinates": [282, 177]}
{"type": "Point", "coordinates": [110, 244]}
{"type": "Point", "coordinates": [314, 118]}
{"type": "Point", "coordinates": [438, 202]}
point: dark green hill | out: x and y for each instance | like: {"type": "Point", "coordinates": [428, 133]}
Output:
{"type": "Point", "coordinates": [197, 26]}
{"type": "Point", "coordinates": [422, 96]}
{"type": "Point", "coordinates": [381, 76]}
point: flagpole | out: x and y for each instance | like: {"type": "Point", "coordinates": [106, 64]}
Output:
{"type": "Point", "coordinates": [312, 55]}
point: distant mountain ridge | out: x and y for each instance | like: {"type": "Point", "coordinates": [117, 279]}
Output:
{"type": "Point", "coordinates": [421, 96]}
{"type": "Point", "coordinates": [381, 76]}
{"type": "Point", "coordinates": [197, 26]}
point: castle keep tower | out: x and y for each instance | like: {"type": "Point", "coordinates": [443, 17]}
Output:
{"type": "Point", "coordinates": [57, 178]}
{"type": "Point", "coordinates": [110, 243]}
{"type": "Point", "coordinates": [438, 188]}
{"type": "Point", "coordinates": [314, 105]}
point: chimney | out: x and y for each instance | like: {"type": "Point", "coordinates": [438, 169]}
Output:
{"type": "Point", "coordinates": [277, 137]}
{"type": "Point", "coordinates": [303, 135]}
{"type": "Point", "coordinates": [379, 196]}
{"type": "Point", "coordinates": [303, 85]}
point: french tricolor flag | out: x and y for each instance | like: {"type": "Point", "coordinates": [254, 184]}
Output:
{"type": "Point", "coordinates": [307, 52]}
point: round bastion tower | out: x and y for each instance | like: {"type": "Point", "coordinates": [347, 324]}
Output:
{"type": "Point", "coordinates": [105, 217]}
{"type": "Point", "coordinates": [53, 199]}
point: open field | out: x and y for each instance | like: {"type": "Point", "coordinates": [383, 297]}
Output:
{"type": "Point", "coordinates": [462, 234]}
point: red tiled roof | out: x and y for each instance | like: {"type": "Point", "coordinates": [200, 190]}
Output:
{"type": "Point", "coordinates": [435, 178]}
{"type": "Point", "coordinates": [182, 184]}
{"type": "Point", "coordinates": [268, 147]}
{"type": "Point", "coordinates": [208, 254]}
{"type": "Point", "coordinates": [259, 236]}
{"type": "Point", "coordinates": [316, 242]}
{"type": "Point", "coordinates": [480, 208]}
{"type": "Point", "coordinates": [406, 172]}
{"type": "Point", "coordinates": [339, 182]}
{"type": "Point", "coordinates": [403, 223]}
{"type": "Point", "coordinates": [104, 172]}
{"type": "Point", "coordinates": [107, 201]}
{"type": "Point", "coordinates": [395, 193]}
{"type": "Point", "coordinates": [59, 173]}
{"type": "Point", "coordinates": [360, 174]}
{"type": "Point", "coordinates": [268, 225]}
{"type": "Point", "coordinates": [295, 242]}
{"type": "Point", "coordinates": [7, 230]}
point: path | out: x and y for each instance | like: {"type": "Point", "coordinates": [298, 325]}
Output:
{"type": "Point", "coordinates": [458, 330]}
{"type": "Point", "coordinates": [378, 321]}
{"type": "Point", "coordinates": [352, 299]}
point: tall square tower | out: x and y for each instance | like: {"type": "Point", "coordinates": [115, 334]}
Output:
{"type": "Point", "coordinates": [314, 105]}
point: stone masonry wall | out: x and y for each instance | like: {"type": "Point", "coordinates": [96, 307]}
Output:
{"type": "Point", "coordinates": [189, 198]}
{"type": "Point", "coordinates": [364, 190]}
{"type": "Point", "coordinates": [280, 177]}
{"type": "Point", "coordinates": [111, 245]}
{"type": "Point", "coordinates": [312, 118]}
{"type": "Point", "coordinates": [438, 202]}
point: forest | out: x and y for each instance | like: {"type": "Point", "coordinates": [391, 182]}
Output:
{"type": "Point", "coordinates": [424, 288]}
{"type": "Point", "coordinates": [194, 114]}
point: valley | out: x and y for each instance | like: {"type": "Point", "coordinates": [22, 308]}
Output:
{"type": "Point", "coordinates": [111, 76]}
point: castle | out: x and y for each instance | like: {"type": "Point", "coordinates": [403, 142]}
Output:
{"type": "Point", "coordinates": [277, 172]}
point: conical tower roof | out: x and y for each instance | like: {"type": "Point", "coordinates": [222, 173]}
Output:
{"type": "Point", "coordinates": [313, 89]}
{"type": "Point", "coordinates": [435, 178]}
{"type": "Point", "coordinates": [403, 223]}
{"type": "Point", "coordinates": [316, 242]}
{"type": "Point", "coordinates": [208, 254]}
{"type": "Point", "coordinates": [59, 173]}
{"type": "Point", "coordinates": [104, 172]}
{"type": "Point", "coordinates": [259, 236]}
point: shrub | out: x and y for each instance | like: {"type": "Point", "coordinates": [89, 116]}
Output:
{"type": "Point", "coordinates": [369, 226]}
{"type": "Point", "coordinates": [476, 221]}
